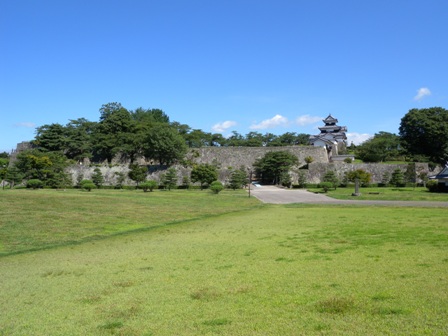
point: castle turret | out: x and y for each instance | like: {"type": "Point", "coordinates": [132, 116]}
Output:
{"type": "Point", "coordinates": [332, 136]}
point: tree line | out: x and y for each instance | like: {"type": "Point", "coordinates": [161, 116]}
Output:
{"type": "Point", "coordinates": [142, 132]}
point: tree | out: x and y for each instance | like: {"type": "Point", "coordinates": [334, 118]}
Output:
{"type": "Point", "coordinates": [13, 176]}
{"type": "Point", "coordinates": [148, 185]}
{"type": "Point", "coordinates": [302, 179]}
{"type": "Point", "coordinates": [397, 179]}
{"type": "Point", "coordinates": [113, 132]}
{"type": "Point", "coordinates": [360, 174]}
{"type": "Point", "coordinates": [120, 180]}
{"type": "Point", "coordinates": [285, 179]}
{"type": "Point", "coordinates": [169, 179]}
{"type": "Point", "coordinates": [204, 173]}
{"type": "Point", "coordinates": [137, 173]}
{"type": "Point", "coordinates": [34, 184]}
{"type": "Point", "coordinates": [45, 166]}
{"type": "Point", "coordinates": [79, 139]}
{"type": "Point", "coordinates": [150, 115]}
{"type": "Point", "coordinates": [238, 179]}
{"type": "Point", "coordinates": [424, 132]}
{"type": "Point", "coordinates": [382, 147]}
{"type": "Point", "coordinates": [163, 143]}
{"type": "Point", "coordinates": [216, 187]}
{"type": "Point", "coordinates": [272, 164]}
{"type": "Point", "coordinates": [51, 137]}
{"type": "Point", "coordinates": [330, 176]}
{"type": "Point", "coordinates": [97, 177]}
{"type": "Point", "coordinates": [87, 185]}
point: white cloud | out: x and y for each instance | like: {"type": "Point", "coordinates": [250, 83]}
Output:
{"type": "Point", "coordinates": [25, 124]}
{"type": "Point", "coordinates": [357, 138]}
{"type": "Point", "coordinates": [307, 120]}
{"type": "Point", "coordinates": [422, 93]}
{"type": "Point", "coordinates": [223, 126]}
{"type": "Point", "coordinates": [275, 121]}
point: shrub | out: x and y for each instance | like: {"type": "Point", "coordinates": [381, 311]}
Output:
{"type": "Point", "coordinates": [34, 184]}
{"type": "Point", "coordinates": [87, 185]}
{"type": "Point", "coordinates": [326, 186]}
{"type": "Point", "coordinates": [433, 186]}
{"type": "Point", "coordinates": [148, 185]}
{"type": "Point", "coordinates": [330, 176]}
{"type": "Point", "coordinates": [216, 187]}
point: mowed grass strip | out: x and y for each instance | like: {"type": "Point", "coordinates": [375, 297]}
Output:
{"type": "Point", "coordinates": [276, 270]}
{"type": "Point", "coordinates": [386, 194]}
{"type": "Point", "coordinates": [36, 219]}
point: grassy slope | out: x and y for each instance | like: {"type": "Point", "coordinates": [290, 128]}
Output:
{"type": "Point", "coordinates": [276, 270]}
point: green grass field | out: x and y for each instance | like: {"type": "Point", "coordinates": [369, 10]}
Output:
{"type": "Point", "coordinates": [233, 267]}
{"type": "Point", "coordinates": [386, 194]}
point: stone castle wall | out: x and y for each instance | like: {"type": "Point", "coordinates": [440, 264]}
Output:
{"type": "Point", "coordinates": [230, 158]}
{"type": "Point", "coordinates": [236, 157]}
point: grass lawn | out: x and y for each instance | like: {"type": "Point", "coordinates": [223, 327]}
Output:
{"type": "Point", "coordinates": [36, 219]}
{"type": "Point", "coordinates": [387, 194]}
{"type": "Point", "coordinates": [267, 270]}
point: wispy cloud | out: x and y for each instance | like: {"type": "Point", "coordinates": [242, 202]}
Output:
{"type": "Point", "coordinates": [276, 121]}
{"type": "Point", "coordinates": [25, 124]}
{"type": "Point", "coordinates": [422, 93]}
{"type": "Point", "coordinates": [223, 126]}
{"type": "Point", "coordinates": [357, 138]}
{"type": "Point", "coordinates": [307, 120]}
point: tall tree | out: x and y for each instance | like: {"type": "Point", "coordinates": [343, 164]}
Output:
{"type": "Point", "coordinates": [51, 137]}
{"type": "Point", "coordinates": [79, 138]}
{"type": "Point", "coordinates": [273, 164]}
{"type": "Point", "coordinates": [113, 131]}
{"type": "Point", "coordinates": [424, 132]}
{"type": "Point", "coordinates": [382, 147]}
{"type": "Point", "coordinates": [163, 143]}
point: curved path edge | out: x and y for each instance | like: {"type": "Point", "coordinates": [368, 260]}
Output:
{"type": "Point", "coordinates": [275, 195]}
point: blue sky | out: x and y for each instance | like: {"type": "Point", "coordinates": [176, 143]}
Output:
{"type": "Point", "coordinates": [247, 65]}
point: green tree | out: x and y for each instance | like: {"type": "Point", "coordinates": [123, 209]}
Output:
{"type": "Point", "coordinates": [204, 173]}
{"type": "Point", "coordinates": [97, 177]}
{"type": "Point", "coordinates": [87, 185]}
{"type": "Point", "coordinates": [424, 132]}
{"type": "Point", "coordinates": [137, 173]}
{"type": "Point", "coordinates": [148, 185]}
{"type": "Point", "coordinates": [186, 182]}
{"type": "Point", "coordinates": [331, 177]}
{"type": "Point", "coordinates": [216, 187]}
{"type": "Point", "coordinates": [13, 176]}
{"type": "Point", "coordinates": [163, 143]}
{"type": "Point", "coordinates": [238, 179]}
{"type": "Point", "coordinates": [34, 184]}
{"type": "Point", "coordinates": [360, 174]}
{"type": "Point", "coordinates": [285, 179]}
{"type": "Point", "coordinates": [302, 179]}
{"type": "Point", "coordinates": [79, 143]}
{"type": "Point", "coordinates": [383, 146]}
{"type": "Point", "coordinates": [121, 177]}
{"type": "Point", "coordinates": [397, 178]}
{"type": "Point", "coordinates": [169, 179]}
{"type": "Point", "coordinates": [51, 138]}
{"type": "Point", "coordinates": [272, 164]}
{"type": "Point", "coordinates": [113, 132]}
{"type": "Point", "coordinates": [45, 166]}
{"type": "Point", "coordinates": [142, 115]}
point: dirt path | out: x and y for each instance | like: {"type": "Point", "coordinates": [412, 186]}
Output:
{"type": "Point", "coordinates": [275, 195]}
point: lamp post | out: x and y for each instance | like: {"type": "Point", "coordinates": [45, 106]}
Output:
{"type": "Point", "coordinates": [250, 178]}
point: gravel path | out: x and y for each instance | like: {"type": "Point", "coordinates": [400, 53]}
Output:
{"type": "Point", "coordinates": [275, 195]}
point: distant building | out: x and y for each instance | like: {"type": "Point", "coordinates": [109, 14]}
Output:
{"type": "Point", "coordinates": [332, 137]}
{"type": "Point", "coordinates": [442, 178]}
